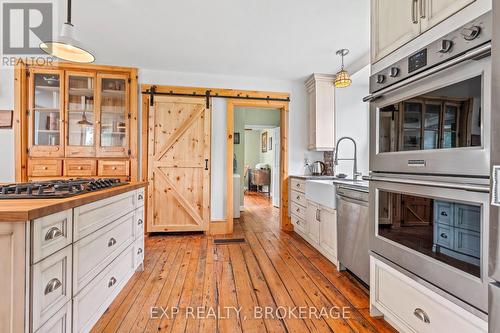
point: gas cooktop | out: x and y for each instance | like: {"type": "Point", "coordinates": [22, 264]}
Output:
{"type": "Point", "coordinates": [56, 189]}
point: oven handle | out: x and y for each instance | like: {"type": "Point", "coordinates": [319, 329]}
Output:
{"type": "Point", "coordinates": [478, 52]}
{"type": "Point", "coordinates": [466, 187]}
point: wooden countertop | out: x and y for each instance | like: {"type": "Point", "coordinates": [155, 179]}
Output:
{"type": "Point", "coordinates": [21, 210]}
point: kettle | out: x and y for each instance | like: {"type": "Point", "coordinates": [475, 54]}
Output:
{"type": "Point", "coordinates": [318, 168]}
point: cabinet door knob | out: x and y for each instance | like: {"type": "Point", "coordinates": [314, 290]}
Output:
{"type": "Point", "coordinates": [44, 168]}
{"type": "Point", "coordinates": [52, 285]}
{"type": "Point", "coordinates": [53, 233]}
{"type": "Point", "coordinates": [420, 314]}
{"type": "Point", "coordinates": [111, 242]}
{"type": "Point", "coordinates": [114, 168]}
{"type": "Point", "coordinates": [111, 282]}
{"type": "Point", "coordinates": [140, 197]}
{"type": "Point", "coordinates": [80, 168]}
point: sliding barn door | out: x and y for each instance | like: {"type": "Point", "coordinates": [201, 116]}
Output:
{"type": "Point", "coordinates": [179, 176]}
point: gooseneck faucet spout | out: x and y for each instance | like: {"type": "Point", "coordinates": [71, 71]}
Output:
{"type": "Point", "coordinates": [355, 173]}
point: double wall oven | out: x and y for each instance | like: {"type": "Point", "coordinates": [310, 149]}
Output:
{"type": "Point", "coordinates": [430, 163]}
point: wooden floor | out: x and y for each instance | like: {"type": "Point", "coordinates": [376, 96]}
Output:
{"type": "Point", "coordinates": [188, 281]}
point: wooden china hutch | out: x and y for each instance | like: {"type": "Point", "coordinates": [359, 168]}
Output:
{"type": "Point", "coordinates": [74, 120]}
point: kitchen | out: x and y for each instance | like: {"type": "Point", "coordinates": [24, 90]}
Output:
{"type": "Point", "coordinates": [119, 209]}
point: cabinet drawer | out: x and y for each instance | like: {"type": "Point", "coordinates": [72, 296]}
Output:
{"type": "Point", "coordinates": [51, 285]}
{"type": "Point", "coordinates": [443, 212]}
{"type": "Point", "coordinates": [299, 224]}
{"type": "Point", "coordinates": [97, 250]}
{"type": "Point", "coordinates": [140, 197]}
{"type": "Point", "coordinates": [91, 217]}
{"type": "Point", "coordinates": [468, 217]}
{"type": "Point", "coordinates": [79, 168]}
{"type": "Point", "coordinates": [299, 198]}
{"type": "Point", "coordinates": [410, 304]}
{"type": "Point", "coordinates": [45, 168]}
{"type": "Point", "coordinates": [58, 323]}
{"type": "Point", "coordinates": [298, 210]}
{"type": "Point", "coordinates": [297, 184]}
{"type": "Point", "coordinates": [113, 168]}
{"type": "Point", "coordinates": [94, 299]}
{"type": "Point", "coordinates": [50, 234]}
{"type": "Point", "coordinates": [139, 223]}
{"type": "Point", "coordinates": [443, 235]}
{"type": "Point", "coordinates": [138, 252]}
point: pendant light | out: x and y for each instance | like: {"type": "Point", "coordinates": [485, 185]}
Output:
{"type": "Point", "coordinates": [342, 78]}
{"type": "Point", "coordinates": [84, 121]}
{"type": "Point", "coordinates": [67, 47]}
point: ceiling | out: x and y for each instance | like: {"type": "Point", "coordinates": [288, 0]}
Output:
{"type": "Point", "coordinates": [281, 39]}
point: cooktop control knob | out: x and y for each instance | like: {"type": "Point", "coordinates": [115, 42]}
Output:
{"type": "Point", "coordinates": [445, 46]}
{"type": "Point", "coordinates": [394, 72]}
{"type": "Point", "coordinates": [471, 33]}
{"type": "Point", "coordinates": [380, 78]}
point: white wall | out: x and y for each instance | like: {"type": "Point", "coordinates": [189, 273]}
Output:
{"type": "Point", "coordinates": [352, 119]}
{"type": "Point", "coordinates": [6, 135]}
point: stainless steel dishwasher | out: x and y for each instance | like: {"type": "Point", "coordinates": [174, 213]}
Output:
{"type": "Point", "coordinates": [353, 228]}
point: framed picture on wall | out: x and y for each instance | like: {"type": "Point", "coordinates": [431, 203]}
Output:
{"type": "Point", "coordinates": [270, 145]}
{"type": "Point", "coordinates": [264, 142]}
{"type": "Point", "coordinates": [236, 138]}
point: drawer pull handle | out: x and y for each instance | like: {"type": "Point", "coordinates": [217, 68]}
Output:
{"type": "Point", "coordinates": [443, 235]}
{"type": "Point", "coordinates": [53, 233]}
{"type": "Point", "coordinates": [140, 197]}
{"type": "Point", "coordinates": [298, 210]}
{"type": "Point", "coordinates": [298, 185]}
{"type": "Point", "coordinates": [139, 251]}
{"type": "Point", "coordinates": [111, 282]}
{"type": "Point", "coordinates": [44, 168]}
{"type": "Point", "coordinates": [140, 222]}
{"type": "Point", "coordinates": [298, 197]}
{"type": "Point", "coordinates": [111, 242]}
{"type": "Point", "coordinates": [52, 285]}
{"type": "Point", "coordinates": [444, 214]}
{"type": "Point", "coordinates": [114, 168]}
{"type": "Point", "coordinates": [420, 314]}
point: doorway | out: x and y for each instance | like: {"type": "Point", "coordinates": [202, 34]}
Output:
{"type": "Point", "coordinates": [256, 157]}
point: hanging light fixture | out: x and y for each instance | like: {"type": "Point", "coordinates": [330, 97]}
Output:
{"type": "Point", "coordinates": [67, 47]}
{"type": "Point", "coordinates": [84, 121]}
{"type": "Point", "coordinates": [342, 78]}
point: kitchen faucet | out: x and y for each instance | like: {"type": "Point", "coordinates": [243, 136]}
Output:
{"type": "Point", "coordinates": [355, 173]}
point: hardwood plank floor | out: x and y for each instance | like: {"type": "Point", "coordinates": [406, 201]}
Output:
{"type": "Point", "coordinates": [273, 282]}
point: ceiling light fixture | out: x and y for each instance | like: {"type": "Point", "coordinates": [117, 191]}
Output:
{"type": "Point", "coordinates": [67, 47]}
{"type": "Point", "coordinates": [342, 78]}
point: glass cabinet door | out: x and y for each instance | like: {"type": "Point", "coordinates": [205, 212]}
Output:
{"type": "Point", "coordinates": [432, 125]}
{"type": "Point", "coordinates": [114, 111]}
{"type": "Point", "coordinates": [450, 130]}
{"type": "Point", "coordinates": [80, 114]}
{"type": "Point", "coordinates": [45, 115]}
{"type": "Point", "coordinates": [412, 125]}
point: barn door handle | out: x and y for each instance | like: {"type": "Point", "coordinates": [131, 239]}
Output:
{"type": "Point", "coordinates": [206, 164]}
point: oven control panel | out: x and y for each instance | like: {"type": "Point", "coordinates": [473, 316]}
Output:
{"type": "Point", "coordinates": [454, 44]}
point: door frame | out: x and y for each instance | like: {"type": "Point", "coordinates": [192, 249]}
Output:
{"type": "Point", "coordinates": [226, 226]}
{"type": "Point", "coordinates": [285, 224]}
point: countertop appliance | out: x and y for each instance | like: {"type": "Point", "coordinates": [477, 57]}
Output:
{"type": "Point", "coordinates": [430, 118]}
{"type": "Point", "coordinates": [494, 263]}
{"type": "Point", "coordinates": [353, 230]}
{"type": "Point", "coordinates": [430, 112]}
{"type": "Point", "coordinates": [56, 189]}
{"type": "Point", "coordinates": [318, 168]}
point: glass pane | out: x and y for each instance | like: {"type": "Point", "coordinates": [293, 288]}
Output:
{"type": "Point", "coordinates": [46, 109]}
{"type": "Point", "coordinates": [113, 113]}
{"type": "Point", "coordinates": [449, 139]}
{"type": "Point", "coordinates": [445, 230]}
{"type": "Point", "coordinates": [431, 139]}
{"type": "Point", "coordinates": [432, 113]}
{"type": "Point", "coordinates": [450, 118]}
{"type": "Point", "coordinates": [81, 111]}
{"type": "Point", "coordinates": [411, 139]}
{"type": "Point", "coordinates": [413, 115]}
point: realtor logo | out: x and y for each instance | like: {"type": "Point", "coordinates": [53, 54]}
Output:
{"type": "Point", "coordinates": [25, 26]}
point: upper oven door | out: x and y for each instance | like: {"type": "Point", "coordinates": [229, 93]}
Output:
{"type": "Point", "coordinates": [436, 230]}
{"type": "Point", "coordinates": [439, 124]}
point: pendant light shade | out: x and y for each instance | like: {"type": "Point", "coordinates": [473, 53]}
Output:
{"type": "Point", "coordinates": [84, 121]}
{"type": "Point", "coordinates": [342, 78]}
{"type": "Point", "coordinates": [66, 46]}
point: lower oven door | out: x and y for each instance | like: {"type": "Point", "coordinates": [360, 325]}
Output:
{"type": "Point", "coordinates": [437, 231]}
{"type": "Point", "coordinates": [438, 124]}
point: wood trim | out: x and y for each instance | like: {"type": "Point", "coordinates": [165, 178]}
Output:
{"type": "Point", "coordinates": [19, 124]}
{"type": "Point", "coordinates": [75, 66]}
{"type": "Point", "coordinates": [133, 126]}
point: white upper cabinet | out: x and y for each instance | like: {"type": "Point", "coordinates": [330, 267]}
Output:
{"type": "Point", "coordinates": [321, 112]}
{"type": "Point", "coordinates": [434, 11]}
{"type": "Point", "coordinates": [396, 22]}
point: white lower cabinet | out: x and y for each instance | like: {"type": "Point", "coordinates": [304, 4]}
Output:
{"type": "Point", "coordinates": [94, 299]}
{"type": "Point", "coordinates": [411, 307]}
{"type": "Point", "coordinates": [319, 228]}
{"type": "Point", "coordinates": [60, 322]}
